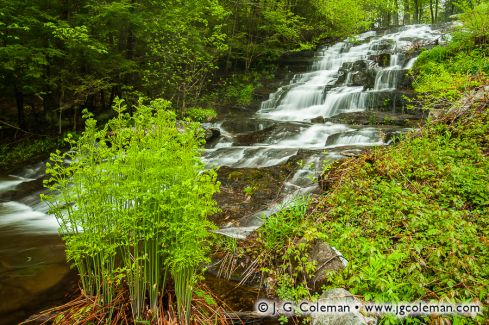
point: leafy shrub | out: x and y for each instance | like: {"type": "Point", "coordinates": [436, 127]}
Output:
{"type": "Point", "coordinates": [442, 75]}
{"type": "Point", "coordinates": [239, 93]}
{"type": "Point", "coordinates": [201, 115]}
{"type": "Point", "coordinates": [476, 21]}
{"type": "Point", "coordinates": [285, 240]}
{"type": "Point", "coordinates": [284, 224]}
{"type": "Point", "coordinates": [132, 204]}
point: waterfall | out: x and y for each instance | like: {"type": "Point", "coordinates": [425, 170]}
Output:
{"type": "Point", "coordinates": [346, 78]}
{"type": "Point", "coordinates": [323, 92]}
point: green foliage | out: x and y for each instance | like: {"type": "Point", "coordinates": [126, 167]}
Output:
{"type": "Point", "coordinates": [442, 74]}
{"type": "Point", "coordinates": [20, 153]}
{"type": "Point", "coordinates": [284, 224]}
{"type": "Point", "coordinates": [285, 240]}
{"type": "Point", "coordinates": [239, 92]}
{"type": "Point", "coordinates": [201, 115]}
{"type": "Point", "coordinates": [249, 190]}
{"type": "Point", "coordinates": [412, 220]}
{"type": "Point", "coordinates": [476, 21]}
{"type": "Point", "coordinates": [69, 56]}
{"type": "Point", "coordinates": [347, 16]}
{"type": "Point", "coordinates": [132, 204]}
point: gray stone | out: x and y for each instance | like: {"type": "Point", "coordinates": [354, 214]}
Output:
{"type": "Point", "coordinates": [212, 134]}
{"type": "Point", "coordinates": [318, 120]}
{"type": "Point", "coordinates": [328, 259]}
{"type": "Point", "coordinates": [341, 297]}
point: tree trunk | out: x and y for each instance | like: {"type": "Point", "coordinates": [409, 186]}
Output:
{"type": "Point", "coordinates": [432, 12]}
{"type": "Point", "coordinates": [436, 10]}
{"type": "Point", "coordinates": [420, 17]}
{"type": "Point", "coordinates": [102, 100]}
{"type": "Point", "coordinates": [406, 19]}
{"type": "Point", "coordinates": [396, 13]}
{"type": "Point", "coordinates": [416, 12]}
{"type": "Point", "coordinates": [19, 98]}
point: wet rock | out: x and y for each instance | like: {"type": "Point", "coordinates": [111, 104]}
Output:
{"type": "Point", "coordinates": [351, 153]}
{"type": "Point", "coordinates": [436, 113]}
{"type": "Point", "coordinates": [318, 120]}
{"type": "Point", "coordinates": [377, 118]}
{"type": "Point", "coordinates": [341, 297]}
{"type": "Point", "coordinates": [328, 259]}
{"type": "Point", "coordinates": [212, 134]}
{"type": "Point", "coordinates": [362, 73]}
{"type": "Point", "coordinates": [362, 78]}
{"type": "Point", "coordinates": [326, 180]}
{"type": "Point", "coordinates": [22, 189]}
{"type": "Point", "coordinates": [234, 202]}
{"type": "Point", "coordinates": [267, 134]}
{"type": "Point", "coordinates": [383, 45]}
{"type": "Point", "coordinates": [382, 60]}
{"type": "Point", "coordinates": [364, 136]}
{"type": "Point", "coordinates": [244, 125]}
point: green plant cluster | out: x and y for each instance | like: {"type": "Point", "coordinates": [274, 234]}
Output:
{"type": "Point", "coordinates": [412, 220]}
{"type": "Point", "coordinates": [16, 155]}
{"type": "Point", "coordinates": [200, 115]}
{"type": "Point", "coordinates": [284, 242]}
{"type": "Point", "coordinates": [132, 200]}
{"type": "Point", "coordinates": [444, 73]}
{"type": "Point", "coordinates": [238, 90]}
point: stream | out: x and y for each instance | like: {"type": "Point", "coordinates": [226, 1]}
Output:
{"type": "Point", "coordinates": [350, 98]}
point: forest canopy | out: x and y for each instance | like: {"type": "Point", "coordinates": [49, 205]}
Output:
{"type": "Point", "coordinates": [58, 57]}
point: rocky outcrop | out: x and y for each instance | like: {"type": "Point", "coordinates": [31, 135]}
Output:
{"type": "Point", "coordinates": [358, 73]}
{"type": "Point", "coordinates": [378, 118]}
{"type": "Point", "coordinates": [382, 60]}
{"type": "Point", "coordinates": [318, 120]}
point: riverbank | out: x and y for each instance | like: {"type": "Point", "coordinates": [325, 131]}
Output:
{"type": "Point", "coordinates": [409, 220]}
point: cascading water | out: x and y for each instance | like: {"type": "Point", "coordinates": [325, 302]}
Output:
{"type": "Point", "coordinates": [360, 75]}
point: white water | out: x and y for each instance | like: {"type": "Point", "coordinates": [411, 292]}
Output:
{"type": "Point", "coordinates": [318, 93]}
{"type": "Point", "coordinates": [308, 96]}
{"type": "Point", "coordinates": [28, 215]}
{"type": "Point", "coordinates": [338, 83]}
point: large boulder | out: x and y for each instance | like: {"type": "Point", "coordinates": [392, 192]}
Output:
{"type": "Point", "coordinates": [339, 297]}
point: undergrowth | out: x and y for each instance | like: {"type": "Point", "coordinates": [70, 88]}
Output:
{"type": "Point", "coordinates": [15, 155]}
{"type": "Point", "coordinates": [443, 74]}
{"type": "Point", "coordinates": [132, 199]}
{"type": "Point", "coordinates": [412, 220]}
